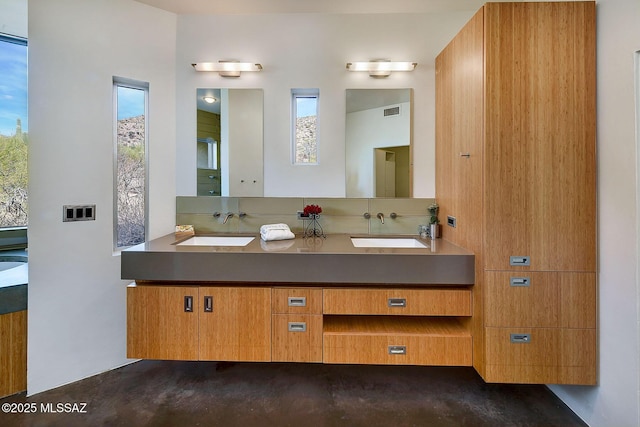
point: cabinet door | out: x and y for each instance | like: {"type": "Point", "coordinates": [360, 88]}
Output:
{"type": "Point", "coordinates": [459, 124]}
{"type": "Point", "coordinates": [539, 179]}
{"type": "Point", "coordinates": [235, 324]}
{"type": "Point", "coordinates": [162, 322]}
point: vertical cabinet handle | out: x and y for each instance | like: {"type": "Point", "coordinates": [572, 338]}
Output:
{"type": "Point", "coordinates": [208, 304]}
{"type": "Point", "coordinates": [397, 349]}
{"type": "Point", "coordinates": [188, 304]}
{"type": "Point", "coordinates": [397, 302]}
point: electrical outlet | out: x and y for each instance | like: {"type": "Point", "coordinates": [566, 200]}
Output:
{"type": "Point", "coordinates": [72, 213]}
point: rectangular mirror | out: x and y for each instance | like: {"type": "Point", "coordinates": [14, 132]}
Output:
{"type": "Point", "coordinates": [229, 142]}
{"type": "Point", "coordinates": [378, 136]}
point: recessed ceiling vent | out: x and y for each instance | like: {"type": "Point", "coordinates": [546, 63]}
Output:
{"type": "Point", "coordinates": [393, 111]}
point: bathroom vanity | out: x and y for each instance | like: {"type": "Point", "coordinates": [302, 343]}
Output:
{"type": "Point", "coordinates": [305, 300]}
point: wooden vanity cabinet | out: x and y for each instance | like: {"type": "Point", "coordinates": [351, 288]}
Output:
{"type": "Point", "coordinates": [397, 326]}
{"type": "Point", "coordinates": [198, 323]}
{"type": "Point", "coordinates": [516, 168]}
{"type": "Point", "coordinates": [296, 325]}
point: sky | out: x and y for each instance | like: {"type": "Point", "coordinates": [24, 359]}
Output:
{"type": "Point", "coordinates": [13, 87]}
{"type": "Point", "coordinates": [130, 102]}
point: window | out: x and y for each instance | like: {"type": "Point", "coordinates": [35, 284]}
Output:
{"type": "Point", "coordinates": [130, 99]}
{"type": "Point", "coordinates": [304, 118]}
{"type": "Point", "coordinates": [14, 138]}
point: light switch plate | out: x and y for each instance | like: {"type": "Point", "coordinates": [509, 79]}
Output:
{"type": "Point", "coordinates": [71, 213]}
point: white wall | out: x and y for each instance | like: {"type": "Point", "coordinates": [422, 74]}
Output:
{"type": "Point", "coordinates": [310, 51]}
{"type": "Point", "coordinates": [76, 298]}
{"type": "Point", "coordinates": [366, 130]}
{"type": "Point", "coordinates": [13, 17]}
{"type": "Point", "coordinates": [615, 402]}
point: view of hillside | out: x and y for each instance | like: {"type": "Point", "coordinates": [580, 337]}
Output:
{"type": "Point", "coordinates": [131, 181]}
{"type": "Point", "coordinates": [306, 141]}
{"type": "Point", "coordinates": [13, 179]}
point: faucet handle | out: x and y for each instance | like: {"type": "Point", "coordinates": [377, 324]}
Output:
{"type": "Point", "coordinates": [242, 214]}
{"type": "Point", "coordinates": [216, 214]}
{"type": "Point", "coordinates": [393, 215]}
{"type": "Point", "coordinates": [366, 215]}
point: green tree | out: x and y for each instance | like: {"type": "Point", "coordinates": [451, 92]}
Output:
{"type": "Point", "coordinates": [13, 180]}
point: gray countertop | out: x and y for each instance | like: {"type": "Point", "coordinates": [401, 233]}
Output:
{"type": "Point", "coordinates": [331, 260]}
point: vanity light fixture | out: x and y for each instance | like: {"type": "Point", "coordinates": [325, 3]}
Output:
{"type": "Point", "coordinates": [209, 99]}
{"type": "Point", "coordinates": [227, 68]}
{"type": "Point", "coordinates": [381, 68]}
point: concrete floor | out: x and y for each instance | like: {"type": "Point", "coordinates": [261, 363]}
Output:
{"type": "Point", "coordinates": [160, 393]}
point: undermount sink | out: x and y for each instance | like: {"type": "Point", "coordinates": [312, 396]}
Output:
{"type": "Point", "coordinates": [390, 242]}
{"type": "Point", "coordinates": [217, 241]}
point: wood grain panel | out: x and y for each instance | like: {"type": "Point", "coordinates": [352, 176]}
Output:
{"type": "Point", "coordinates": [578, 357]}
{"type": "Point", "coordinates": [535, 305]}
{"type": "Point", "coordinates": [578, 296]}
{"type": "Point", "coordinates": [366, 340]}
{"type": "Point", "coordinates": [288, 346]}
{"type": "Point", "coordinates": [13, 353]}
{"type": "Point", "coordinates": [157, 325]}
{"type": "Point", "coordinates": [419, 302]}
{"type": "Point", "coordinates": [239, 327]}
{"type": "Point", "coordinates": [280, 300]}
{"type": "Point", "coordinates": [540, 180]}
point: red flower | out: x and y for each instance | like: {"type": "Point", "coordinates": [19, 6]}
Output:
{"type": "Point", "coordinates": [312, 210]}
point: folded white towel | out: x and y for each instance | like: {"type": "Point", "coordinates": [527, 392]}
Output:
{"type": "Point", "coordinates": [267, 227]}
{"type": "Point", "coordinates": [280, 245]}
{"type": "Point", "coordinates": [270, 235]}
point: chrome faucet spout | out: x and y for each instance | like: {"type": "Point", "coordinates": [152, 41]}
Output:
{"type": "Point", "coordinates": [227, 216]}
{"type": "Point", "coordinates": [381, 217]}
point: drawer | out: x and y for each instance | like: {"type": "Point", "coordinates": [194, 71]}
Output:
{"type": "Point", "coordinates": [407, 302]}
{"type": "Point", "coordinates": [541, 355]}
{"type": "Point", "coordinates": [386, 341]}
{"type": "Point", "coordinates": [296, 338]}
{"type": "Point", "coordinates": [540, 299]}
{"type": "Point", "coordinates": [296, 300]}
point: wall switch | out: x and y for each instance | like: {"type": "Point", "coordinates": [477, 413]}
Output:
{"type": "Point", "coordinates": [78, 213]}
{"type": "Point", "coordinates": [451, 221]}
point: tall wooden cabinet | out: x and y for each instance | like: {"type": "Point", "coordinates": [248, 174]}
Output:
{"type": "Point", "coordinates": [516, 172]}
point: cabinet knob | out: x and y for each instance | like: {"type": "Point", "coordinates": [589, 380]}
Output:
{"type": "Point", "coordinates": [297, 327]}
{"type": "Point", "coordinates": [397, 302]}
{"type": "Point", "coordinates": [520, 338]}
{"type": "Point", "coordinates": [188, 304]}
{"type": "Point", "coordinates": [519, 260]}
{"type": "Point", "coordinates": [397, 349]}
{"type": "Point", "coordinates": [297, 301]}
{"type": "Point", "coordinates": [208, 304]}
{"type": "Point", "coordinates": [520, 281]}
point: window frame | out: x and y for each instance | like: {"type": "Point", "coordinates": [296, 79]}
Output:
{"type": "Point", "coordinates": [304, 93]}
{"type": "Point", "coordinates": [144, 86]}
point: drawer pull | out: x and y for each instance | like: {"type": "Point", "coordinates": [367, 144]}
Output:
{"type": "Point", "coordinates": [297, 301]}
{"type": "Point", "coordinates": [519, 260]}
{"type": "Point", "coordinates": [397, 349]}
{"type": "Point", "coordinates": [520, 281]}
{"type": "Point", "coordinates": [397, 302]}
{"type": "Point", "coordinates": [208, 304]}
{"type": "Point", "coordinates": [188, 304]}
{"type": "Point", "coordinates": [520, 338]}
{"type": "Point", "coordinates": [297, 327]}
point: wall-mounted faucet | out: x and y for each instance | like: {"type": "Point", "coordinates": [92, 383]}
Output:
{"type": "Point", "coordinates": [381, 217]}
{"type": "Point", "coordinates": [227, 216]}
